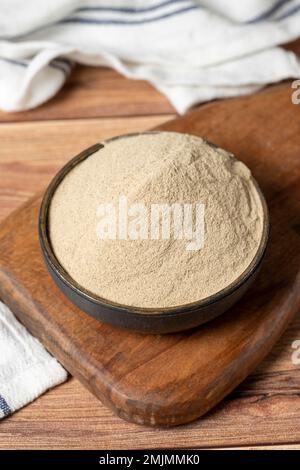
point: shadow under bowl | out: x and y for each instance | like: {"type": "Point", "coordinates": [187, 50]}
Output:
{"type": "Point", "coordinates": [146, 320]}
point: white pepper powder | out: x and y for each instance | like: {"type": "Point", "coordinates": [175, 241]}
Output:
{"type": "Point", "coordinates": [157, 168]}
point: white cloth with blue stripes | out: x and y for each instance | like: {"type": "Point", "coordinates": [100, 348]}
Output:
{"type": "Point", "coordinates": [190, 50]}
{"type": "Point", "coordinates": [26, 369]}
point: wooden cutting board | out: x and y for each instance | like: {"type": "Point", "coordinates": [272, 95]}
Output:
{"type": "Point", "coordinates": [172, 379]}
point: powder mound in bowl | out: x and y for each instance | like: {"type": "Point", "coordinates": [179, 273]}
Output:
{"type": "Point", "coordinates": [157, 168]}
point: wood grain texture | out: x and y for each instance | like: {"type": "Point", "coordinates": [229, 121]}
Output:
{"type": "Point", "coordinates": [242, 337]}
{"type": "Point", "coordinates": [262, 411]}
{"type": "Point", "coordinates": [32, 152]}
{"type": "Point", "coordinates": [69, 417]}
{"type": "Point", "coordinates": [93, 92]}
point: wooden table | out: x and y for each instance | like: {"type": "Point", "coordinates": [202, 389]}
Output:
{"type": "Point", "coordinates": [263, 412]}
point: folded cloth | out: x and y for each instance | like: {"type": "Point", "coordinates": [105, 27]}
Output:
{"type": "Point", "coordinates": [26, 369]}
{"type": "Point", "coordinates": [192, 51]}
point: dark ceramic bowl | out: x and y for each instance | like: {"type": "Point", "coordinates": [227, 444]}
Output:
{"type": "Point", "coordinates": [147, 320]}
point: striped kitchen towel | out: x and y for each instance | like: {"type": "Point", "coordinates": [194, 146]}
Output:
{"type": "Point", "coordinates": [190, 50]}
{"type": "Point", "coordinates": [26, 369]}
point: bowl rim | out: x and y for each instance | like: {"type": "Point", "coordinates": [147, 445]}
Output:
{"type": "Point", "coordinates": [133, 310]}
